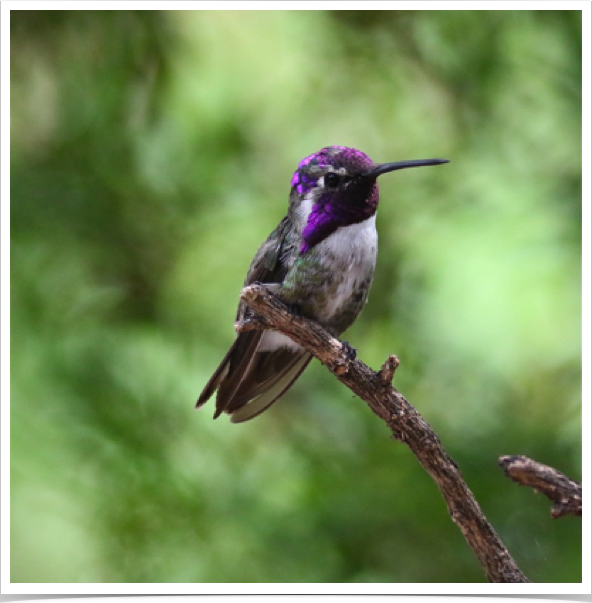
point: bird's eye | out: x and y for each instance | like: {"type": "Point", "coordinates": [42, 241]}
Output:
{"type": "Point", "coordinates": [332, 180]}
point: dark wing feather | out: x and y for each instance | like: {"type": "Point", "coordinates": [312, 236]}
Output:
{"type": "Point", "coordinates": [228, 374]}
{"type": "Point", "coordinates": [249, 381]}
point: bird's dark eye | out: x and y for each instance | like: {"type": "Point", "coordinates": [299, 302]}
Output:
{"type": "Point", "coordinates": [332, 180]}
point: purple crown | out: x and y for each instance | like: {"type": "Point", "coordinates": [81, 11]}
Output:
{"type": "Point", "coordinates": [304, 178]}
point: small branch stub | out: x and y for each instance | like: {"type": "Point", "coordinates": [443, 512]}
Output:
{"type": "Point", "coordinates": [563, 491]}
{"type": "Point", "coordinates": [387, 372]}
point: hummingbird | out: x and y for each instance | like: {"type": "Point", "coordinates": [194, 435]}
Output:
{"type": "Point", "coordinates": [320, 261]}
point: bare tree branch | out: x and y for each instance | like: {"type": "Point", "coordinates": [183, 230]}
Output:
{"type": "Point", "coordinates": [404, 421]}
{"type": "Point", "coordinates": [563, 491]}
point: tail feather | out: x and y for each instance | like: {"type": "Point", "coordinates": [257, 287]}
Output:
{"type": "Point", "coordinates": [251, 377]}
{"type": "Point", "coordinates": [279, 387]}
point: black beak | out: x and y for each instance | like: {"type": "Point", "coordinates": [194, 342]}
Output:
{"type": "Point", "coordinates": [383, 168]}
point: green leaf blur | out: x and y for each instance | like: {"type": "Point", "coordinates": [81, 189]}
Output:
{"type": "Point", "coordinates": [151, 153]}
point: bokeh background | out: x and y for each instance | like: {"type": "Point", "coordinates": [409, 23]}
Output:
{"type": "Point", "coordinates": [151, 153]}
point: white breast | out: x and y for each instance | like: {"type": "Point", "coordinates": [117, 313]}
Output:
{"type": "Point", "coordinates": [353, 251]}
{"type": "Point", "coordinates": [356, 243]}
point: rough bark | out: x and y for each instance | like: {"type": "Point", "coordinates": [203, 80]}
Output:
{"type": "Point", "coordinates": [563, 491]}
{"type": "Point", "coordinates": [405, 423]}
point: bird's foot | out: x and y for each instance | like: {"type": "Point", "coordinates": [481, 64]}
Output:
{"type": "Point", "coordinates": [350, 352]}
{"type": "Point", "coordinates": [295, 310]}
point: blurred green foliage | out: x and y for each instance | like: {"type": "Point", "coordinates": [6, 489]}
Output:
{"type": "Point", "coordinates": [151, 153]}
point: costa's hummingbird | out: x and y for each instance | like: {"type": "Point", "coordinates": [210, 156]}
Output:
{"type": "Point", "coordinates": [320, 260]}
